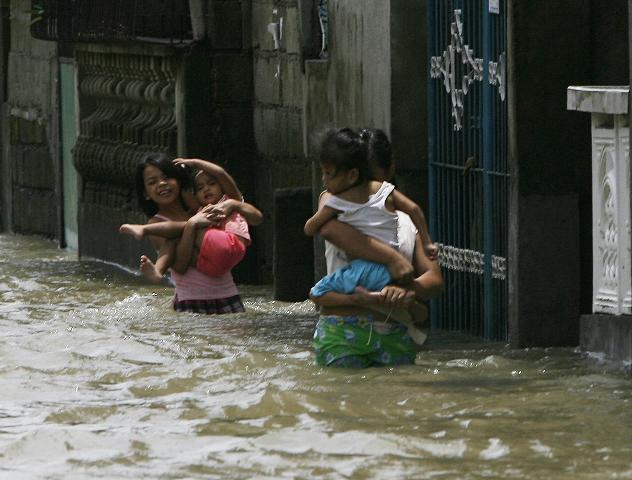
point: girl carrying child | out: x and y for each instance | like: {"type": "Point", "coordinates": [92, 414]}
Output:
{"type": "Point", "coordinates": [212, 242]}
{"type": "Point", "coordinates": [371, 207]}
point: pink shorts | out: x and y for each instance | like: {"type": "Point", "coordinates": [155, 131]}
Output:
{"type": "Point", "coordinates": [220, 252]}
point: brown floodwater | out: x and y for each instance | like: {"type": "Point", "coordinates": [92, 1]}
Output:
{"type": "Point", "coordinates": [99, 378]}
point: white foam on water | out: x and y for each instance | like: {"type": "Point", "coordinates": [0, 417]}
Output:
{"type": "Point", "coordinates": [541, 449]}
{"type": "Point", "coordinates": [495, 450]}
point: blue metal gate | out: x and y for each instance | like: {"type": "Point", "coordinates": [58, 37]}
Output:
{"type": "Point", "coordinates": [469, 177]}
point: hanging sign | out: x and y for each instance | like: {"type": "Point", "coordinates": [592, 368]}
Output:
{"type": "Point", "coordinates": [494, 6]}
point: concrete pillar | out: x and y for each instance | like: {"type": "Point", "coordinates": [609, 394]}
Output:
{"type": "Point", "coordinates": [293, 252]}
{"type": "Point", "coordinates": [546, 169]}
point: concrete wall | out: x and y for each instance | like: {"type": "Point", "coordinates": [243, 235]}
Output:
{"type": "Point", "coordinates": [359, 82]}
{"type": "Point", "coordinates": [5, 172]}
{"type": "Point", "coordinates": [31, 117]}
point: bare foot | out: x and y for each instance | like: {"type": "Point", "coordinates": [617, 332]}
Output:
{"type": "Point", "coordinates": [135, 230]}
{"type": "Point", "coordinates": [149, 270]}
{"type": "Point", "coordinates": [419, 314]}
{"type": "Point", "coordinates": [418, 336]}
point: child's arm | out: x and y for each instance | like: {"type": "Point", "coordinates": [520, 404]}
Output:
{"type": "Point", "coordinates": [406, 205]}
{"type": "Point", "coordinates": [184, 250]}
{"type": "Point", "coordinates": [222, 210]}
{"type": "Point", "coordinates": [429, 283]}
{"type": "Point", "coordinates": [225, 180]}
{"type": "Point", "coordinates": [166, 256]}
{"type": "Point", "coordinates": [320, 218]}
{"type": "Point", "coordinates": [358, 245]}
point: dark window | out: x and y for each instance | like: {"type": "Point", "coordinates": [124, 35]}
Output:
{"type": "Point", "coordinates": [162, 21]}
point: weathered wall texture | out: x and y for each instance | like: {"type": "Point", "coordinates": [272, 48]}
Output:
{"type": "Point", "coordinates": [31, 130]}
{"type": "Point", "coordinates": [359, 82]}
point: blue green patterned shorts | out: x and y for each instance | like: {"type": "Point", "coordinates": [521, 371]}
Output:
{"type": "Point", "coordinates": [356, 341]}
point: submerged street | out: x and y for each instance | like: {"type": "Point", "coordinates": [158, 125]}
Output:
{"type": "Point", "coordinates": [101, 379]}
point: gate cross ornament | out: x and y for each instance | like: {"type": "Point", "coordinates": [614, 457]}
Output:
{"type": "Point", "coordinates": [445, 65]}
{"type": "Point", "coordinates": [497, 75]}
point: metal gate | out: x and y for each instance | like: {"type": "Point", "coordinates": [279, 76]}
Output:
{"type": "Point", "coordinates": [469, 177]}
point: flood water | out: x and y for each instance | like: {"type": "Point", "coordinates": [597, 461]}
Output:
{"type": "Point", "coordinates": [99, 378]}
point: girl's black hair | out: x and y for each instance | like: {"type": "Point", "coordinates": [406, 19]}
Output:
{"type": "Point", "coordinates": [164, 163]}
{"type": "Point", "coordinates": [344, 149]}
{"type": "Point", "coordinates": [379, 151]}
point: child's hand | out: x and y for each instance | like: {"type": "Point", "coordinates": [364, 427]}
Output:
{"type": "Point", "coordinates": [188, 162]}
{"type": "Point", "coordinates": [219, 211]}
{"type": "Point", "coordinates": [200, 220]}
{"type": "Point", "coordinates": [432, 251]}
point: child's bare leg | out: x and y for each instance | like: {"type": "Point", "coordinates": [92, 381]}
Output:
{"type": "Point", "coordinates": [155, 271]}
{"type": "Point", "coordinates": [335, 299]}
{"type": "Point", "coordinates": [149, 270]}
{"type": "Point", "coordinates": [137, 231]}
{"type": "Point", "coordinates": [167, 229]}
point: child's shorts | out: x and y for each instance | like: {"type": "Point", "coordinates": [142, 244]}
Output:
{"type": "Point", "coordinates": [356, 341]}
{"type": "Point", "coordinates": [220, 252]}
{"type": "Point", "coordinates": [370, 275]}
{"type": "Point", "coordinates": [221, 305]}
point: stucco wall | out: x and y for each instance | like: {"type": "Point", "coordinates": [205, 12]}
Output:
{"type": "Point", "coordinates": [359, 55]}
